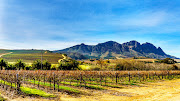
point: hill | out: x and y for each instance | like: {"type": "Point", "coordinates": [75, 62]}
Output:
{"type": "Point", "coordinates": [29, 56]}
{"type": "Point", "coordinates": [112, 49]}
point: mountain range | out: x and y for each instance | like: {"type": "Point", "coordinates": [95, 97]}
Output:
{"type": "Point", "coordinates": [112, 49]}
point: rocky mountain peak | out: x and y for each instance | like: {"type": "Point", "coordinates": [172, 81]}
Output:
{"type": "Point", "coordinates": [114, 49]}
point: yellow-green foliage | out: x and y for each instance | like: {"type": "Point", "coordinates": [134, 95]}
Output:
{"type": "Point", "coordinates": [31, 91]}
{"type": "Point", "coordinates": [131, 64]}
{"type": "Point", "coordinates": [84, 67]}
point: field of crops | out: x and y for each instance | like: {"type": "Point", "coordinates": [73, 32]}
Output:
{"type": "Point", "coordinates": [30, 57]}
{"type": "Point", "coordinates": [70, 81]}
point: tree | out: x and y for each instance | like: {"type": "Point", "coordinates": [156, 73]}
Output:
{"type": "Point", "coordinates": [36, 64]}
{"type": "Point", "coordinates": [10, 67]}
{"type": "Point", "coordinates": [175, 67]}
{"type": "Point", "coordinates": [119, 67]}
{"type": "Point", "coordinates": [46, 65]}
{"type": "Point", "coordinates": [68, 64]}
{"type": "Point", "coordinates": [168, 61]}
{"type": "Point", "coordinates": [19, 64]}
{"type": "Point", "coordinates": [100, 62]}
{"type": "Point", "coordinates": [74, 64]}
{"type": "Point", "coordinates": [2, 63]}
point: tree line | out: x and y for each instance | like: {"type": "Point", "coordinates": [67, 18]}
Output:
{"type": "Point", "coordinates": [64, 64]}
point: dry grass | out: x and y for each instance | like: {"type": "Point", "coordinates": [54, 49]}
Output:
{"type": "Point", "coordinates": [159, 91]}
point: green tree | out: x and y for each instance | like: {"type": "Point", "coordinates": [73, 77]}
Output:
{"type": "Point", "coordinates": [46, 65]}
{"type": "Point", "coordinates": [3, 63]}
{"type": "Point", "coordinates": [19, 64]}
{"type": "Point", "coordinates": [68, 64]}
{"type": "Point", "coordinates": [168, 61]}
{"type": "Point", "coordinates": [36, 64]}
{"type": "Point", "coordinates": [74, 64]}
{"type": "Point", "coordinates": [100, 62]}
{"type": "Point", "coordinates": [10, 67]}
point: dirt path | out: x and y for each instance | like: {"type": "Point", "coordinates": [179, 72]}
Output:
{"type": "Point", "coordinates": [64, 57]}
{"type": "Point", "coordinates": [5, 54]}
{"type": "Point", "coordinates": [159, 91]}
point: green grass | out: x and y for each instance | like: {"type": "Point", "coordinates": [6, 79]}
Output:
{"type": "Point", "coordinates": [64, 88]}
{"type": "Point", "coordinates": [30, 57]}
{"type": "Point", "coordinates": [2, 99]}
{"type": "Point", "coordinates": [87, 86]}
{"type": "Point", "coordinates": [31, 91]}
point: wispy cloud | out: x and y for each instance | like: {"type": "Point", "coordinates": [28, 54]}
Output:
{"type": "Point", "coordinates": [143, 19]}
{"type": "Point", "coordinates": [58, 24]}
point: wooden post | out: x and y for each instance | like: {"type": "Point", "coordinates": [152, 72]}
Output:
{"type": "Point", "coordinates": [38, 81]}
{"type": "Point", "coordinates": [54, 80]}
{"type": "Point", "coordinates": [34, 81]}
{"type": "Point", "coordinates": [23, 78]}
{"type": "Point", "coordinates": [18, 83]}
{"type": "Point", "coordinates": [139, 77]}
{"type": "Point", "coordinates": [58, 85]}
{"type": "Point", "coordinates": [129, 76]}
{"type": "Point", "coordinates": [168, 74]}
{"type": "Point", "coordinates": [80, 78]}
{"type": "Point", "coordinates": [44, 79]}
{"type": "Point", "coordinates": [116, 78]}
{"type": "Point", "coordinates": [50, 83]}
{"type": "Point", "coordinates": [100, 78]}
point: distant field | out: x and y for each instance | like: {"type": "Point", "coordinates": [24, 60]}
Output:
{"type": "Point", "coordinates": [20, 51]}
{"type": "Point", "coordinates": [29, 56]}
{"type": "Point", "coordinates": [178, 60]}
{"type": "Point", "coordinates": [146, 60]}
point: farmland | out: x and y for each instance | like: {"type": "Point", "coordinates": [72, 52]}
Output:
{"type": "Point", "coordinates": [48, 84]}
{"type": "Point", "coordinates": [29, 56]}
{"type": "Point", "coordinates": [91, 79]}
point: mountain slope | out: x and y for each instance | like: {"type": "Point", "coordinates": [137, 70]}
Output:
{"type": "Point", "coordinates": [112, 49]}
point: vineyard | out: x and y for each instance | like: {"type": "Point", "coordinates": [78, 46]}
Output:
{"type": "Point", "coordinates": [30, 57]}
{"type": "Point", "coordinates": [20, 82]}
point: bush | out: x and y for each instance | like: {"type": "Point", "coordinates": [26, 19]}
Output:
{"type": "Point", "coordinates": [10, 67]}
{"type": "Point", "coordinates": [175, 67]}
{"type": "Point", "coordinates": [46, 65]}
{"type": "Point", "coordinates": [119, 67]}
{"type": "Point", "coordinates": [68, 64]}
{"type": "Point", "coordinates": [19, 65]}
{"type": "Point", "coordinates": [168, 61]}
{"type": "Point", "coordinates": [36, 65]}
{"type": "Point", "coordinates": [3, 63]}
{"type": "Point", "coordinates": [53, 67]}
{"type": "Point", "coordinates": [96, 68]}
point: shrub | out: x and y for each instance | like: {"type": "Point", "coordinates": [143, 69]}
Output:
{"type": "Point", "coordinates": [10, 67]}
{"type": "Point", "coordinates": [36, 65]}
{"type": "Point", "coordinates": [168, 61]}
{"type": "Point", "coordinates": [68, 64]}
{"type": "Point", "coordinates": [46, 65]}
{"type": "Point", "coordinates": [19, 65]}
{"type": "Point", "coordinates": [175, 67]}
{"type": "Point", "coordinates": [119, 67]}
{"type": "Point", "coordinates": [3, 63]}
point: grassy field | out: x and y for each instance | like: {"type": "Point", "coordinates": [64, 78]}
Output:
{"type": "Point", "coordinates": [151, 91]}
{"type": "Point", "coordinates": [164, 90]}
{"type": "Point", "coordinates": [29, 56]}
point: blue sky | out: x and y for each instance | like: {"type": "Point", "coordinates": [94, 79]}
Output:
{"type": "Point", "coordinates": [57, 24]}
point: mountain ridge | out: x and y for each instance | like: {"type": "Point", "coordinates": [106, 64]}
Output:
{"type": "Point", "coordinates": [114, 49]}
